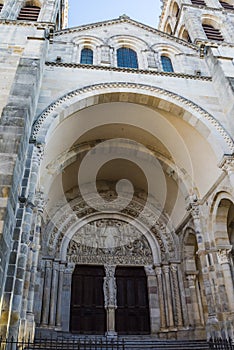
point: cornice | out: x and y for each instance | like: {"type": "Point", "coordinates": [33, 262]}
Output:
{"type": "Point", "coordinates": [125, 19]}
{"type": "Point", "coordinates": [128, 70]}
{"type": "Point", "coordinates": [38, 25]}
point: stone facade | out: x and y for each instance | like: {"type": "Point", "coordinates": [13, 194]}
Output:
{"type": "Point", "coordinates": [105, 165]}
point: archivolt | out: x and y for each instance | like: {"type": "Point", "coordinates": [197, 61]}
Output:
{"type": "Point", "coordinates": [70, 217]}
{"type": "Point", "coordinates": [153, 97]}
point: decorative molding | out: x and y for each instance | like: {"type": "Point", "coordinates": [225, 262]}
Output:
{"type": "Point", "coordinates": [125, 19]}
{"type": "Point", "coordinates": [127, 70]}
{"type": "Point", "coordinates": [67, 216]}
{"type": "Point", "coordinates": [147, 88]}
{"type": "Point", "coordinates": [38, 25]}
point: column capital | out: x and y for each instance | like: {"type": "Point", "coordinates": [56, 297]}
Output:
{"type": "Point", "coordinates": [195, 211]}
{"type": "Point", "coordinates": [191, 277]}
{"type": "Point", "coordinates": [174, 268]}
{"type": "Point", "coordinates": [166, 269]}
{"type": "Point", "coordinates": [48, 264]}
{"type": "Point", "coordinates": [40, 201]}
{"type": "Point", "coordinates": [223, 255]}
{"type": "Point", "coordinates": [69, 268]}
{"type": "Point", "coordinates": [149, 270]}
{"type": "Point", "coordinates": [158, 270]}
{"type": "Point", "coordinates": [227, 163]}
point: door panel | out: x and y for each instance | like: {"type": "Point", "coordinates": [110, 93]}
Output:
{"type": "Point", "coordinates": [88, 315]}
{"type": "Point", "coordinates": [132, 313]}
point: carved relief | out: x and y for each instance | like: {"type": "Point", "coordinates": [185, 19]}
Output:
{"type": "Point", "coordinates": [109, 242]}
{"type": "Point", "coordinates": [77, 209]}
{"type": "Point", "coordinates": [109, 287]}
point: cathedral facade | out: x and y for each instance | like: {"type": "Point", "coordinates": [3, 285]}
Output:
{"type": "Point", "coordinates": [117, 172]}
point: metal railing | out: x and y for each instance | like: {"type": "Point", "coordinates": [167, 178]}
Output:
{"type": "Point", "coordinates": [221, 344]}
{"type": "Point", "coordinates": [63, 344]}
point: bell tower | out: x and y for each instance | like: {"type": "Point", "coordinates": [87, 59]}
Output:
{"type": "Point", "coordinates": [43, 11]}
{"type": "Point", "coordinates": [26, 32]}
{"type": "Point", "coordinates": [199, 20]}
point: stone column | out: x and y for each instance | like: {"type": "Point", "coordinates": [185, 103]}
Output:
{"type": "Point", "coordinates": [194, 300]}
{"type": "Point", "coordinates": [66, 297]}
{"type": "Point", "coordinates": [46, 293]}
{"type": "Point", "coordinates": [223, 255]}
{"type": "Point", "coordinates": [158, 271]}
{"type": "Point", "coordinates": [176, 289]}
{"type": "Point", "coordinates": [35, 247]}
{"type": "Point", "coordinates": [110, 289]}
{"type": "Point", "coordinates": [212, 324]}
{"type": "Point", "coordinates": [153, 299]}
{"type": "Point", "coordinates": [166, 276]}
{"type": "Point", "coordinates": [54, 294]}
{"type": "Point", "coordinates": [60, 290]}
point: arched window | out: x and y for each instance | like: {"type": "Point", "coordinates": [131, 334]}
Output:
{"type": "Point", "coordinates": [186, 36]}
{"type": "Point", "coordinates": [168, 29]}
{"type": "Point", "coordinates": [166, 64]}
{"type": "Point", "coordinates": [86, 56]}
{"type": "Point", "coordinates": [127, 58]}
{"type": "Point", "coordinates": [175, 10]}
{"type": "Point", "coordinates": [198, 2]}
{"type": "Point", "coordinates": [1, 6]}
{"type": "Point", "coordinates": [212, 33]}
{"type": "Point", "coordinates": [29, 13]}
{"type": "Point", "coordinates": [226, 5]}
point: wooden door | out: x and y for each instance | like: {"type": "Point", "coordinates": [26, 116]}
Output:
{"type": "Point", "coordinates": [88, 315]}
{"type": "Point", "coordinates": [132, 313]}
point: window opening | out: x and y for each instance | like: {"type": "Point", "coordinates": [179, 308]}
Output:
{"type": "Point", "coordinates": [226, 5]}
{"type": "Point", "coordinates": [166, 64]}
{"type": "Point", "coordinates": [29, 13]}
{"type": "Point", "coordinates": [198, 2]}
{"type": "Point", "coordinates": [212, 33]}
{"type": "Point", "coordinates": [86, 56]}
{"type": "Point", "coordinates": [127, 58]}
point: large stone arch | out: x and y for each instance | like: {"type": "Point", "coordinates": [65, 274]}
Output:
{"type": "Point", "coordinates": [150, 96]}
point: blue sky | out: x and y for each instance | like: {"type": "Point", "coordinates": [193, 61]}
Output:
{"type": "Point", "coordinates": [89, 11]}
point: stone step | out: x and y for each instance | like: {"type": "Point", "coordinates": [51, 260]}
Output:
{"type": "Point", "coordinates": [128, 344]}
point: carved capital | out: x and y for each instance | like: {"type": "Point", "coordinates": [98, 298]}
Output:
{"type": "Point", "coordinates": [149, 270]}
{"type": "Point", "coordinates": [191, 279]}
{"type": "Point", "coordinates": [223, 255]}
{"type": "Point", "coordinates": [174, 268]}
{"type": "Point", "coordinates": [166, 269]}
{"type": "Point", "coordinates": [158, 270]}
{"type": "Point", "coordinates": [227, 164]}
{"type": "Point", "coordinates": [48, 264]}
{"type": "Point", "coordinates": [40, 201]}
{"type": "Point", "coordinates": [195, 211]}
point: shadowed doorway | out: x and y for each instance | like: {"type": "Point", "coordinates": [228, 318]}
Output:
{"type": "Point", "coordinates": [132, 313]}
{"type": "Point", "coordinates": [88, 315]}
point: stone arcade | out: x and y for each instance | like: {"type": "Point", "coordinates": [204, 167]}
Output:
{"type": "Point", "coordinates": [117, 172]}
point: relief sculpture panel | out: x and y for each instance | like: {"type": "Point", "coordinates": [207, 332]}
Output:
{"type": "Point", "coordinates": [112, 242]}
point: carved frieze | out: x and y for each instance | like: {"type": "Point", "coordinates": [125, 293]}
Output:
{"type": "Point", "coordinates": [112, 242]}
